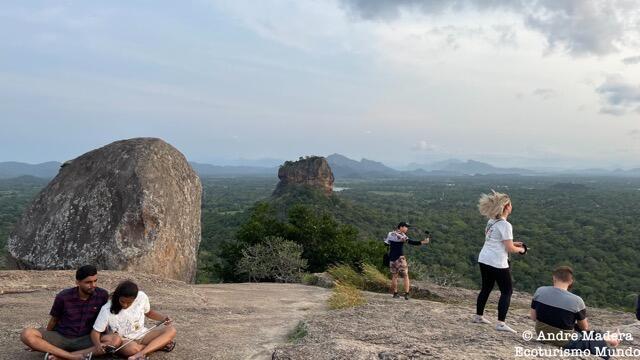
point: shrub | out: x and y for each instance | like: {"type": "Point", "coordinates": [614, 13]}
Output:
{"type": "Point", "coordinates": [418, 270]}
{"type": "Point", "coordinates": [345, 296]}
{"type": "Point", "coordinates": [310, 279]}
{"type": "Point", "coordinates": [346, 275]}
{"type": "Point", "coordinates": [275, 259]}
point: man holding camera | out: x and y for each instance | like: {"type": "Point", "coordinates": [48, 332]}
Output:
{"type": "Point", "coordinates": [397, 262]}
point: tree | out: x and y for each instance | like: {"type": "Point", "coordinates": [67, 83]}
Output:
{"type": "Point", "coordinates": [275, 259]}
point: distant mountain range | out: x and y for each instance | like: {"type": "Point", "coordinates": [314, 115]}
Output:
{"type": "Point", "coordinates": [342, 167]}
{"type": "Point", "coordinates": [12, 169]}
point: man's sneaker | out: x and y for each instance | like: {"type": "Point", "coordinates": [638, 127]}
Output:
{"type": "Point", "coordinates": [504, 327]}
{"type": "Point", "coordinates": [406, 296]}
{"type": "Point", "coordinates": [396, 296]}
{"type": "Point", "coordinates": [479, 319]}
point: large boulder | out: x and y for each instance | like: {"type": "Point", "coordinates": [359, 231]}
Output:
{"type": "Point", "coordinates": [131, 205]}
{"type": "Point", "coordinates": [313, 171]}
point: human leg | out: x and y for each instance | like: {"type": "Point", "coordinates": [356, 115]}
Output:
{"type": "Point", "coordinates": [35, 339]}
{"type": "Point", "coordinates": [107, 340]}
{"type": "Point", "coordinates": [594, 346]}
{"type": "Point", "coordinates": [394, 283]}
{"type": "Point", "coordinates": [505, 284]}
{"type": "Point", "coordinates": [488, 281]}
{"type": "Point", "coordinates": [156, 340]}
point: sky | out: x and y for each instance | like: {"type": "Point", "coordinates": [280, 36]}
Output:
{"type": "Point", "coordinates": [540, 83]}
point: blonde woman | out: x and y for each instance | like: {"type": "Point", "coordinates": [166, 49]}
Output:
{"type": "Point", "coordinates": [494, 256]}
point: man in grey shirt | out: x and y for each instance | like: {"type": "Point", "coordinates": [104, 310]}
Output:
{"type": "Point", "coordinates": [558, 313]}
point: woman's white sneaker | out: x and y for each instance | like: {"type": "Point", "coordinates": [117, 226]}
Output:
{"type": "Point", "coordinates": [479, 319]}
{"type": "Point", "coordinates": [504, 327]}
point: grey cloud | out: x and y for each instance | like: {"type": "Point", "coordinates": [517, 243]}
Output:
{"type": "Point", "coordinates": [618, 96]}
{"type": "Point", "coordinates": [582, 27]}
{"type": "Point", "coordinates": [631, 60]}
{"type": "Point", "coordinates": [544, 94]}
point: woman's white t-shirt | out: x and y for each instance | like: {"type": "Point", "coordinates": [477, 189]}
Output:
{"type": "Point", "coordinates": [494, 253]}
{"type": "Point", "coordinates": [128, 322]}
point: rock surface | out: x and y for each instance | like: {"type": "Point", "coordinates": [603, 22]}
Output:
{"type": "Point", "coordinates": [251, 321]}
{"type": "Point", "coordinates": [395, 329]}
{"type": "Point", "coordinates": [313, 172]}
{"type": "Point", "coordinates": [221, 321]}
{"type": "Point", "coordinates": [131, 205]}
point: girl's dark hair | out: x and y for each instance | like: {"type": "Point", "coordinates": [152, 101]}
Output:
{"type": "Point", "coordinates": [126, 288]}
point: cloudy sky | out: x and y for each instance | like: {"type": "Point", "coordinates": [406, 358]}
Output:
{"type": "Point", "coordinates": [513, 83]}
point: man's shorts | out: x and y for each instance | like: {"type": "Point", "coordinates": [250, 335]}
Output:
{"type": "Point", "coordinates": [66, 343]}
{"type": "Point", "coordinates": [399, 266]}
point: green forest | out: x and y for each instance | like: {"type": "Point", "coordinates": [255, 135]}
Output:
{"type": "Point", "coordinates": [590, 224]}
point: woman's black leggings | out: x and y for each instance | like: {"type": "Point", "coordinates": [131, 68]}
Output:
{"type": "Point", "coordinates": [490, 276]}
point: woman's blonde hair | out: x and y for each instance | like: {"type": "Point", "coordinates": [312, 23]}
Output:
{"type": "Point", "coordinates": [492, 205]}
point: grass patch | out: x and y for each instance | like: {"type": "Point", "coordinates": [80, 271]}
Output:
{"type": "Point", "coordinates": [298, 333]}
{"type": "Point", "coordinates": [346, 275]}
{"type": "Point", "coordinates": [374, 280]}
{"type": "Point", "coordinates": [345, 296]}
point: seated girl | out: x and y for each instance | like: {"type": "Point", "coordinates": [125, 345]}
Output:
{"type": "Point", "coordinates": [124, 314]}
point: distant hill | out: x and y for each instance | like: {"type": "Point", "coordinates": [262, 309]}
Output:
{"type": "Point", "coordinates": [472, 167]}
{"type": "Point", "coordinates": [454, 167]}
{"type": "Point", "coordinates": [343, 167]}
{"type": "Point", "coordinates": [208, 170]}
{"type": "Point", "coordinates": [12, 169]}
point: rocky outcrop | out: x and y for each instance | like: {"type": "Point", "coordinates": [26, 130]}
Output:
{"type": "Point", "coordinates": [131, 205]}
{"type": "Point", "coordinates": [313, 171]}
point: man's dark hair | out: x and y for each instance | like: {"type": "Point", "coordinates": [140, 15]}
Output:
{"type": "Point", "coordinates": [126, 288]}
{"type": "Point", "coordinates": [563, 273]}
{"type": "Point", "coordinates": [86, 271]}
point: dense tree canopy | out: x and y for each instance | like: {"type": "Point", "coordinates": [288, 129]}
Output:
{"type": "Point", "coordinates": [590, 224]}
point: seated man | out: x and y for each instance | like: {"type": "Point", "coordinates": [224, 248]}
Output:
{"type": "Point", "coordinates": [558, 312]}
{"type": "Point", "coordinates": [73, 313]}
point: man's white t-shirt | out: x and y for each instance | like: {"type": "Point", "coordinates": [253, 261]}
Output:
{"type": "Point", "coordinates": [494, 253]}
{"type": "Point", "coordinates": [128, 322]}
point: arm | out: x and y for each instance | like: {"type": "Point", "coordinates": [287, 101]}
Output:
{"type": "Point", "coordinates": [511, 247]}
{"type": "Point", "coordinates": [154, 315]}
{"type": "Point", "coordinates": [95, 338]}
{"type": "Point", "coordinates": [425, 241]}
{"type": "Point", "coordinates": [583, 325]}
{"type": "Point", "coordinates": [52, 323]}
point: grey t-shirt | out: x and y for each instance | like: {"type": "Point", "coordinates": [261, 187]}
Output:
{"type": "Point", "coordinates": [557, 310]}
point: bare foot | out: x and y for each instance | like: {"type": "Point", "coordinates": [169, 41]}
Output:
{"type": "Point", "coordinates": [613, 339]}
{"type": "Point", "coordinates": [138, 356]}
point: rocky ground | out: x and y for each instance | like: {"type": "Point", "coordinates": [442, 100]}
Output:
{"type": "Point", "coordinates": [249, 321]}
{"type": "Point", "coordinates": [387, 328]}
{"type": "Point", "coordinates": [225, 321]}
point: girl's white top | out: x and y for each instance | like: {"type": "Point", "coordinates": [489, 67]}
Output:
{"type": "Point", "coordinates": [129, 322]}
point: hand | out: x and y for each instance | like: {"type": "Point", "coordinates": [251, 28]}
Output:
{"type": "Point", "coordinates": [517, 243]}
{"type": "Point", "coordinates": [524, 249]}
{"type": "Point", "coordinates": [425, 241]}
{"type": "Point", "coordinates": [168, 321]}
